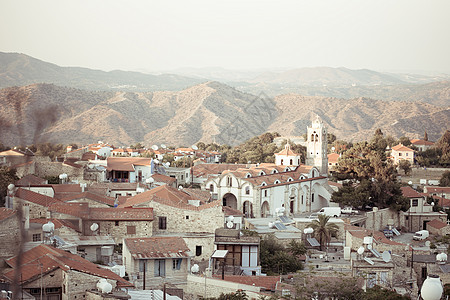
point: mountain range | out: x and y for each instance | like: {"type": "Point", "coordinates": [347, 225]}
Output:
{"type": "Point", "coordinates": [42, 102]}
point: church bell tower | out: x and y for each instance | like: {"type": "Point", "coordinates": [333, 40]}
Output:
{"type": "Point", "coordinates": [317, 146]}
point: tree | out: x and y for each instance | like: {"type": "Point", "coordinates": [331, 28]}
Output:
{"type": "Point", "coordinates": [323, 229]}
{"type": "Point", "coordinates": [275, 258]}
{"type": "Point", "coordinates": [445, 179]}
{"type": "Point", "coordinates": [7, 176]}
{"type": "Point", "coordinates": [404, 141]}
{"type": "Point", "coordinates": [443, 144]}
{"type": "Point", "coordinates": [351, 195]}
{"type": "Point", "coordinates": [378, 292]}
{"type": "Point", "coordinates": [329, 288]}
{"type": "Point", "coordinates": [405, 166]}
{"type": "Point", "coordinates": [425, 136]}
{"type": "Point", "coordinates": [296, 248]}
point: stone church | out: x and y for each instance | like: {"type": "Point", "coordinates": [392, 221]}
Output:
{"type": "Point", "coordinates": [258, 191]}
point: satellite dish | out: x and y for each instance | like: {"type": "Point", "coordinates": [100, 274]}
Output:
{"type": "Point", "coordinates": [230, 225]}
{"type": "Point", "coordinates": [308, 230]}
{"type": "Point", "coordinates": [48, 227]}
{"type": "Point", "coordinates": [427, 243]}
{"type": "Point", "coordinates": [195, 268]}
{"type": "Point", "coordinates": [149, 180]}
{"type": "Point", "coordinates": [271, 224]}
{"type": "Point", "coordinates": [360, 250]}
{"type": "Point", "coordinates": [155, 147]}
{"type": "Point", "coordinates": [333, 148]}
{"type": "Point", "coordinates": [163, 146]}
{"type": "Point", "coordinates": [156, 161]}
{"type": "Point", "coordinates": [194, 147]}
{"type": "Point", "coordinates": [410, 182]}
{"type": "Point", "coordinates": [11, 186]}
{"type": "Point", "coordinates": [94, 226]}
{"type": "Point", "coordinates": [180, 187]}
{"type": "Point", "coordinates": [369, 246]}
{"type": "Point", "coordinates": [386, 256]}
{"type": "Point", "coordinates": [230, 218]}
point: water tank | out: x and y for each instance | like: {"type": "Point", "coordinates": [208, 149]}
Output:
{"type": "Point", "coordinates": [367, 240]}
{"type": "Point", "coordinates": [104, 286]}
{"type": "Point", "coordinates": [107, 250]}
{"type": "Point", "coordinates": [48, 227]}
{"type": "Point", "coordinates": [195, 268]}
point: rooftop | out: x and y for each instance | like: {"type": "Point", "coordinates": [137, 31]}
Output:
{"type": "Point", "coordinates": [157, 247]}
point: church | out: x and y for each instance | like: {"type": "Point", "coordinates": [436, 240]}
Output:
{"type": "Point", "coordinates": [260, 190]}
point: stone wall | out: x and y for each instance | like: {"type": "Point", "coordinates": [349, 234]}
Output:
{"type": "Point", "coordinates": [378, 219]}
{"type": "Point", "coordinates": [9, 237]}
{"type": "Point", "coordinates": [77, 283]}
{"type": "Point", "coordinates": [205, 241]}
{"type": "Point", "coordinates": [119, 232]}
{"type": "Point", "coordinates": [49, 168]}
{"type": "Point", "coordinates": [208, 287]}
{"type": "Point", "coordinates": [51, 280]}
{"type": "Point", "coordinates": [186, 220]}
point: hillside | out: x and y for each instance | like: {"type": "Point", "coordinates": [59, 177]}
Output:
{"type": "Point", "coordinates": [20, 69]}
{"type": "Point", "coordinates": [205, 112]}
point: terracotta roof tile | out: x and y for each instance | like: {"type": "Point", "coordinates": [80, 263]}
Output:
{"type": "Point", "coordinates": [126, 163]}
{"type": "Point", "coordinates": [30, 179]}
{"type": "Point", "coordinates": [163, 192]}
{"type": "Point", "coordinates": [421, 142]}
{"type": "Point", "coordinates": [164, 178]}
{"type": "Point", "coordinates": [6, 213]}
{"type": "Point", "coordinates": [400, 147]}
{"type": "Point", "coordinates": [44, 258]}
{"type": "Point", "coordinates": [73, 209]}
{"type": "Point", "coordinates": [333, 157]}
{"type": "Point", "coordinates": [436, 224]}
{"type": "Point", "coordinates": [36, 198]}
{"type": "Point", "coordinates": [438, 189]}
{"type": "Point", "coordinates": [157, 247]}
{"type": "Point", "coordinates": [287, 151]}
{"type": "Point", "coordinates": [91, 196]}
{"type": "Point", "coordinates": [409, 192]}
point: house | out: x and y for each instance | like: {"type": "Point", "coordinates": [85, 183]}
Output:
{"type": "Point", "coordinates": [61, 227]}
{"type": "Point", "coordinates": [93, 199]}
{"type": "Point", "coordinates": [9, 233]}
{"type": "Point", "coordinates": [64, 275]}
{"type": "Point", "coordinates": [66, 190]}
{"type": "Point", "coordinates": [419, 212]}
{"type": "Point", "coordinates": [400, 152]}
{"type": "Point", "coordinates": [440, 191]}
{"type": "Point", "coordinates": [243, 252]}
{"type": "Point", "coordinates": [156, 260]}
{"type": "Point", "coordinates": [14, 157]}
{"type": "Point", "coordinates": [92, 248]}
{"type": "Point", "coordinates": [177, 212]}
{"type": "Point", "coordinates": [115, 189]}
{"type": "Point", "coordinates": [201, 172]}
{"type": "Point", "coordinates": [422, 145]}
{"type": "Point", "coordinates": [160, 179]}
{"type": "Point", "coordinates": [35, 203]}
{"type": "Point", "coordinates": [31, 179]}
{"type": "Point", "coordinates": [129, 169]}
{"type": "Point", "coordinates": [437, 227]}
{"type": "Point", "coordinates": [182, 175]}
{"type": "Point", "coordinates": [333, 159]}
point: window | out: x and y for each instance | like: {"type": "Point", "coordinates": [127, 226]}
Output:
{"type": "Point", "coordinates": [116, 223]}
{"type": "Point", "coordinates": [142, 265]}
{"type": "Point", "coordinates": [211, 188]}
{"type": "Point", "coordinates": [36, 237]}
{"type": "Point", "coordinates": [281, 161]}
{"type": "Point", "coordinates": [162, 222]}
{"type": "Point", "coordinates": [406, 154]}
{"type": "Point", "coordinates": [187, 217]}
{"type": "Point", "coordinates": [160, 268]}
{"type": "Point", "coordinates": [131, 229]}
{"type": "Point", "coordinates": [198, 250]}
{"type": "Point", "coordinates": [302, 199]}
{"type": "Point", "coordinates": [182, 176]}
{"type": "Point", "coordinates": [415, 202]}
{"type": "Point", "coordinates": [265, 193]}
{"type": "Point", "coordinates": [291, 162]}
{"type": "Point", "coordinates": [247, 190]}
{"type": "Point", "coordinates": [176, 263]}
{"type": "Point", "coordinates": [312, 198]}
{"type": "Point", "coordinates": [399, 154]}
{"type": "Point", "coordinates": [229, 181]}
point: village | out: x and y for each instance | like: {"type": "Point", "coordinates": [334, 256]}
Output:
{"type": "Point", "coordinates": [122, 224]}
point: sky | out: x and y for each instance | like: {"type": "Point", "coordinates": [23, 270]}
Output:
{"type": "Point", "coordinates": [382, 35]}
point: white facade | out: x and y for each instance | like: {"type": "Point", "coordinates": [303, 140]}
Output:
{"type": "Point", "coordinates": [287, 157]}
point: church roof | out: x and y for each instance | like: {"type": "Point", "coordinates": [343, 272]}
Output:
{"type": "Point", "coordinates": [287, 151]}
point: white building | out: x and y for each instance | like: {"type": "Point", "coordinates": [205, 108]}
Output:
{"type": "Point", "coordinates": [316, 154]}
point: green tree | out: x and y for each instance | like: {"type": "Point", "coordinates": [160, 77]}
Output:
{"type": "Point", "coordinates": [405, 166]}
{"type": "Point", "coordinates": [405, 141]}
{"type": "Point", "coordinates": [323, 230]}
{"type": "Point", "coordinates": [344, 288]}
{"type": "Point", "coordinates": [443, 144]}
{"type": "Point", "coordinates": [378, 292]}
{"type": "Point", "coordinates": [7, 176]}
{"type": "Point", "coordinates": [354, 195]}
{"type": "Point", "coordinates": [276, 259]}
{"type": "Point", "coordinates": [296, 248]}
{"type": "Point", "coordinates": [445, 179]}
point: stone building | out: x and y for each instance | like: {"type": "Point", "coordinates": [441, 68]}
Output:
{"type": "Point", "coordinates": [57, 274]}
{"type": "Point", "coordinates": [9, 233]}
{"type": "Point", "coordinates": [317, 144]}
{"type": "Point", "coordinates": [157, 259]}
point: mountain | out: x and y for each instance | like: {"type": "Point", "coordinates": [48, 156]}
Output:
{"type": "Point", "coordinates": [20, 69]}
{"type": "Point", "coordinates": [207, 112]}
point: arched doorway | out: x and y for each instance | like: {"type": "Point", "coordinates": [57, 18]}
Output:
{"type": "Point", "coordinates": [248, 209]}
{"type": "Point", "coordinates": [229, 200]}
{"type": "Point", "coordinates": [265, 209]}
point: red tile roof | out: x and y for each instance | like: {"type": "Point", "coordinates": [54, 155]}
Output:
{"type": "Point", "coordinates": [36, 198]}
{"type": "Point", "coordinates": [73, 209]}
{"type": "Point", "coordinates": [287, 151]}
{"type": "Point", "coordinates": [203, 170]}
{"type": "Point", "coordinates": [66, 190]}
{"type": "Point", "coordinates": [267, 282]}
{"type": "Point", "coordinates": [126, 163]}
{"type": "Point", "coordinates": [333, 157]}
{"type": "Point", "coordinates": [436, 224]}
{"type": "Point", "coordinates": [421, 142]}
{"type": "Point", "coordinates": [440, 189]}
{"type": "Point", "coordinates": [6, 213]}
{"type": "Point", "coordinates": [30, 179]}
{"type": "Point", "coordinates": [119, 214]}
{"type": "Point", "coordinates": [44, 259]}
{"type": "Point", "coordinates": [57, 222]}
{"type": "Point", "coordinates": [91, 196]}
{"type": "Point", "coordinates": [11, 153]}
{"type": "Point", "coordinates": [163, 192]}
{"type": "Point", "coordinates": [400, 147]}
{"type": "Point", "coordinates": [164, 178]}
{"type": "Point", "coordinates": [157, 247]}
{"type": "Point", "coordinates": [228, 211]}
{"type": "Point", "coordinates": [409, 192]}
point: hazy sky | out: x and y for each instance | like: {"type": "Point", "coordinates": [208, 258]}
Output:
{"type": "Point", "coordinates": [381, 35]}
